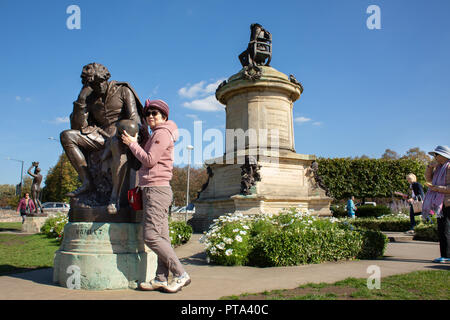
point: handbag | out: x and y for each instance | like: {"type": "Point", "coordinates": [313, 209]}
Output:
{"type": "Point", "coordinates": [417, 206]}
{"type": "Point", "coordinates": [135, 198]}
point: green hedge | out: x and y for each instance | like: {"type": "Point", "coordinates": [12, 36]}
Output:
{"type": "Point", "coordinates": [372, 211]}
{"type": "Point", "coordinates": [338, 211]}
{"type": "Point", "coordinates": [426, 232]}
{"type": "Point", "coordinates": [374, 244]}
{"type": "Point", "coordinates": [367, 178]}
{"type": "Point", "coordinates": [294, 248]}
{"type": "Point", "coordinates": [389, 223]}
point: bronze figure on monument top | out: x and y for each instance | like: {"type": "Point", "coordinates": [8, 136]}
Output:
{"type": "Point", "coordinates": [258, 53]}
{"type": "Point", "coordinates": [93, 145]}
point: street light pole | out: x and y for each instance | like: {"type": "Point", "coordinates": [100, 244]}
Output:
{"type": "Point", "coordinates": [21, 174]}
{"type": "Point", "coordinates": [189, 148]}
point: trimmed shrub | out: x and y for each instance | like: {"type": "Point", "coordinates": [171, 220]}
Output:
{"type": "Point", "coordinates": [393, 223]}
{"type": "Point", "coordinates": [290, 238]}
{"type": "Point", "coordinates": [303, 247]}
{"type": "Point", "coordinates": [180, 232]}
{"type": "Point", "coordinates": [372, 211]}
{"type": "Point", "coordinates": [367, 178]}
{"type": "Point", "coordinates": [338, 211]}
{"type": "Point", "coordinates": [426, 231]}
{"type": "Point", "coordinates": [374, 244]}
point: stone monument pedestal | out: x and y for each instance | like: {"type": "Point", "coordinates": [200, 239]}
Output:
{"type": "Point", "coordinates": [103, 255]}
{"type": "Point", "coordinates": [33, 222]}
{"type": "Point", "coordinates": [259, 111]}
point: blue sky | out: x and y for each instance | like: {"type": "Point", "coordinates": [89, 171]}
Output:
{"type": "Point", "coordinates": [365, 90]}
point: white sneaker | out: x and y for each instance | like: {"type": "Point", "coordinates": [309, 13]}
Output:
{"type": "Point", "coordinates": [152, 285]}
{"type": "Point", "coordinates": [178, 283]}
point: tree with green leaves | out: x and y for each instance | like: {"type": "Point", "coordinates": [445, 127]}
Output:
{"type": "Point", "coordinates": [390, 155]}
{"type": "Point", "coordinates": [61, 179]}
{"type": "Point", "coordinates": [417, 154]}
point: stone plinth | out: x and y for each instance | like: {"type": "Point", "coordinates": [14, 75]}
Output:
{"type": "Point", "coordinates": [262, 105]}
{"type": "Point", "coordinates": [262, 109]}
{"type": "Point", "coordinates": [34, 222]}
{"type": "Point", "coordinates": [103, 256]}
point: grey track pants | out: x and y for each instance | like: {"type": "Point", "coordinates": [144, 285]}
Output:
{"type": "Point", "coordinates": [156, 202]}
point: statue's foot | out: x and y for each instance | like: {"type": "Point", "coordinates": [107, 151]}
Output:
{"type": "Point", "coordinates": [112, 208]}
{"type": "Point", "coordinates": [83, 189]}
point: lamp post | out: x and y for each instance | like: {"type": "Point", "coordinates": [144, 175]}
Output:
{"type": "Point", "coordinates": [189, 148]}
{"type": "Point", "coordinates": [21, 174]}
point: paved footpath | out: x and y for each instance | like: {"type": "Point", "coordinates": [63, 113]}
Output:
{"type": "Point", "coordinates": [210, 282]}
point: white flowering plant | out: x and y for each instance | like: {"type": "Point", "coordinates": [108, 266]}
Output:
{"type": "Point", "coordinates": [54, 226]}
{"type": "Point", "coordinates": [227, 241]}
{"type": "Point", "coordinates": [292, 237]}
{"type": "Point", "coordinates": [180, 232]}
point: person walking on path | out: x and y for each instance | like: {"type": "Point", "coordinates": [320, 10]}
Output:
{"type": "Point", "coordinates": [437, 199]}
{"type": "Point", "coordinates": [351, 208]}
{"type": "Point", "coordinates": [25, 206]}
{"type": "Point", "coordinates": [416, 194]}
{"type": "Point", "coordinates": [154, 179]}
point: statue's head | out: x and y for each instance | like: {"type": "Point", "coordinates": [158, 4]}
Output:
{"type": "Point", "coordinates": [96, 76]}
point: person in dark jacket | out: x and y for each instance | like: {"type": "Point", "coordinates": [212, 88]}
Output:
{"type": "Point", "coordinates": [416, 194]}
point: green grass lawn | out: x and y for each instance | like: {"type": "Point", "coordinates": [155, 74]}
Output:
{"type": "Point", "coordinates": [10, 226]}
{"type": "Point", "coordinates": [419, 285]}
{"type": "Point", "coordinates": [20, 253]}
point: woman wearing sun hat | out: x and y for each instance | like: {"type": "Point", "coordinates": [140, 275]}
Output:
{"type": "Point", "coordinates": [437, 199]}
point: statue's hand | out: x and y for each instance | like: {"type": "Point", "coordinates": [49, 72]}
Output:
{"type": "Point", "coordinates": [85, 92]}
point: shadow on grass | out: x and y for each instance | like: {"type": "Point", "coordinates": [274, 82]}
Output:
{"type": "Point", "coordinates": [10, 229]}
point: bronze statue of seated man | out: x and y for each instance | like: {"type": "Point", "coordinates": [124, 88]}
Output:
{"type": "Point", "coordinates": [101, 108]}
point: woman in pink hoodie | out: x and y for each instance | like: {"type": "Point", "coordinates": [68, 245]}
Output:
{"type": "Point", "coordinates": [154, 179]}
{"type": "Point", "coordinates": [26, 205]}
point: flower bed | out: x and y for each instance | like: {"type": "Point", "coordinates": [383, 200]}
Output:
{"type": "Point", "coordinates": [291, 238]}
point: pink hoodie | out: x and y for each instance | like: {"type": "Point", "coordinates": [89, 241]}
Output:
{"type": "Point", "coordinates": [157, 155]}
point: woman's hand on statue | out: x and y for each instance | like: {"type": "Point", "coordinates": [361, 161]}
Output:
{"type": "Point", "coordinates": [127, 139]}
